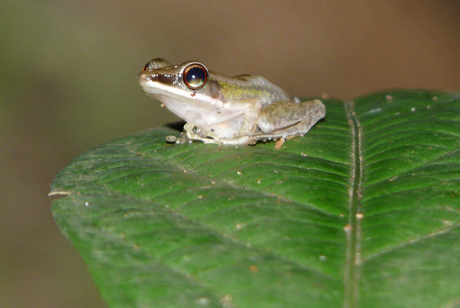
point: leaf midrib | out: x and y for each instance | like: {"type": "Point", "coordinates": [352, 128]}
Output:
{"type": "Point", "coordinates": [353, 229]}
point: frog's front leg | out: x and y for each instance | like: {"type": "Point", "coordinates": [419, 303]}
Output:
{"type": "Point", "coordinates": [287, 118]}
{"type": "Point", "coordinates": [190, 133]}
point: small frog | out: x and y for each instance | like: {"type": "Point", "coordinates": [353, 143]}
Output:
{"type": "Point", "coordinates": [227, 110]}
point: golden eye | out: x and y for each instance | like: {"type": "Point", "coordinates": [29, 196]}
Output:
{"type": "Point", "coordinates": [195, 76]}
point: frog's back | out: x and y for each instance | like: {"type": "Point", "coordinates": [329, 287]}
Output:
{"type": "Point", "coordinates": [248, 87]}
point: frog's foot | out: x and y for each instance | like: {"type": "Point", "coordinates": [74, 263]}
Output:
{"type": "Point", "coordinates": [178, 140]}
{"type": "Point", "coordinates": [172, 139]}
{"type": "Point", "coordinates": [248, 140]}
{"type": "Point", "coordinates": [279, 143]}
{"type": "Point", "coordinates": [194, 133]}
{"type": "Point", "coordinates": [190, 133]}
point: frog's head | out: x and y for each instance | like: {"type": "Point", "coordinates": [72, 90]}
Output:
{"type": "Point", "coordinates": [189, 83]}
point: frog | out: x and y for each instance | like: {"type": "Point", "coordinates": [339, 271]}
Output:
{"type": "Point", "coordinates": [218, 109]}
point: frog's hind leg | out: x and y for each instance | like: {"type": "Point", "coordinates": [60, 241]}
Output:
{"type": "Point", "coordinates": [288, 119]}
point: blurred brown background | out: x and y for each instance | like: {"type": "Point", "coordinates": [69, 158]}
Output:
{"type": "Point", "coordinates": [68, 82]}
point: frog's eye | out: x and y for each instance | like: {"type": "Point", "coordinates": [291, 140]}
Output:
{"type": "Point", "coordinates": [195, 76]}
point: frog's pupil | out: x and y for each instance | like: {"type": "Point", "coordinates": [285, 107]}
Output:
{"type": "Point", "coordinates": [195, 77]}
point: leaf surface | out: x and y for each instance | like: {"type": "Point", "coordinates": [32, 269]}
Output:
{"type": "Point", "coordinates": [363, 211]}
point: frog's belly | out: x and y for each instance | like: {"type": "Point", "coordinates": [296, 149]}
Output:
{"type": "Point", "coordinates": [227, 129]}
{"type": "Point", "coordinates": [221, 122]}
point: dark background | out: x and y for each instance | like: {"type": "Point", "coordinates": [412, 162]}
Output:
{"type": "Point", "coordinates": [68, 82]}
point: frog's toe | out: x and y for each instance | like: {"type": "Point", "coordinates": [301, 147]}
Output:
{"type": "Point", "coordinates": [171, 139]}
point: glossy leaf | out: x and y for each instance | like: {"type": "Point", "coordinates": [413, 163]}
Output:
{"type": "Point", "coordinates": [363, 211]}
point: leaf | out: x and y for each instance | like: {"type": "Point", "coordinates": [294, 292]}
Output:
{"type": "Point", "coordinates": [363, 211]}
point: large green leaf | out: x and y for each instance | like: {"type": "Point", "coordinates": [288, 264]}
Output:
{"type": "Point", "coordinates": [363, 211]}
